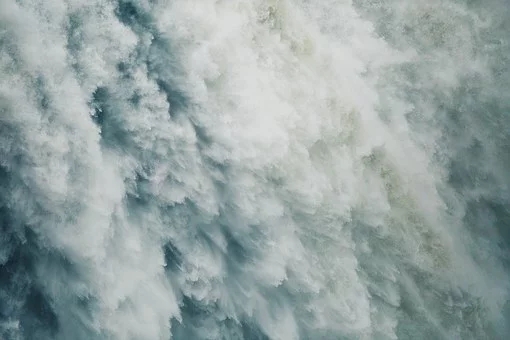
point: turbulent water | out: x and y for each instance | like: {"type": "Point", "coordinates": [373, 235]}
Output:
{"type": "Point", "coordinates": [254, 169]}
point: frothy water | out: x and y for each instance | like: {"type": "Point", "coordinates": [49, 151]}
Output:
{"type": "Point", "coordinates": [263, 169]}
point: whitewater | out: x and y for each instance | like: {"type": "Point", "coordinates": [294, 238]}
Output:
{"type": "Point", "coordinates": [254, 169]}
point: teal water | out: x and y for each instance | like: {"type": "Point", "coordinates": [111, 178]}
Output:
{"type": "Point", "coordinates": [264, 169]}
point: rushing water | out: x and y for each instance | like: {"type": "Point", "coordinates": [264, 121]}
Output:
{"type": "Point", "coordinates": [254, 169]}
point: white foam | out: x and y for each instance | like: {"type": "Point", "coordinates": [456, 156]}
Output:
{"type": "Point", "coordinates": [278, 177]}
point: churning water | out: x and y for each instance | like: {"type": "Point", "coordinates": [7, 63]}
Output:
{"type": "Point", "coordinates": [254, 169]}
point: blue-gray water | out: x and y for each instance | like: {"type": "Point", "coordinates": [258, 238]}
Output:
{"type": "Point", "coordinates": [254, 169]}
